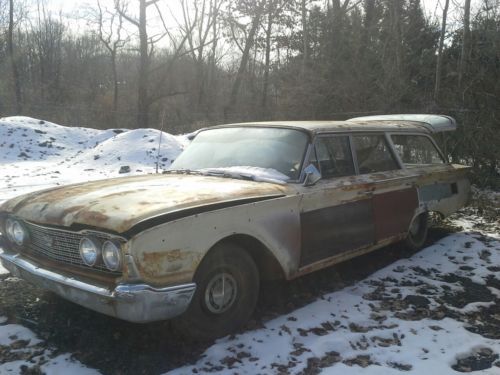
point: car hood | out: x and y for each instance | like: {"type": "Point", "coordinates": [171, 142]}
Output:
{"type": "Point", "coordinates": [119, 204]}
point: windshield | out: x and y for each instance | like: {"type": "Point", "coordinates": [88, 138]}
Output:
{"type": "Point", "coordinates": [267, 148]}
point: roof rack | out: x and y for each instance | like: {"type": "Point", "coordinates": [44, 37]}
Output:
{"type": "Point", "coordinates": [434, 123]}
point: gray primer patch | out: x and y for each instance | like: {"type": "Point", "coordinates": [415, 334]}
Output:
{"type": "Point", "coordinates": [435, 192]}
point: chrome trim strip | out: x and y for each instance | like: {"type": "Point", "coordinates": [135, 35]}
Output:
{"type": "Point", "coordinates": [19, 262]}
{"type": "Point", "coordinates": [83, 231]}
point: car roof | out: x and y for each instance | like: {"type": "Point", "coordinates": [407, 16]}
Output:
{"type": "Point", "coordinates": [318, 127]}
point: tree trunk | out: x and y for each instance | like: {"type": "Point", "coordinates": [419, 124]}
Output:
{"type": "Point", "coordinates": [143, 94]}
{"type": "Point", "coordinates": [305, 41]}
{"type": "Point", "coordinates": [13, 62]}
{"type": "Point", "coordinates": [115, 86]}
{"type": "Point", "coordinates": [243, 64]}
{"type": "Point", "coordinates": [464, 56]}
{"type": "Point", "coordinates": [213, 63]}
{"type": "Point", "coordinates": [439, 62]}
{"type": "Point", "coordinates": [267, 63]}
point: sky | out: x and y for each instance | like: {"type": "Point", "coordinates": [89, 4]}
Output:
{"type": "Point", "coordinates": [431, 7]}
{"type": "Point", "coordinates": [78, 9]}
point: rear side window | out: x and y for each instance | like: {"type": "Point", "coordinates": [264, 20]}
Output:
{"type": "Point", "coordinates": [334, 156]}
{"type": "Point", "coordinates": [416, 150]}
{"type": "Point", "coordinates": [373, 154]}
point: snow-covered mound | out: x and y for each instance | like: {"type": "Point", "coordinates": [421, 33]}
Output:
{"type": "Point", "coordinates": [36, 154]}
{"type": "Point", "coordinates": [25, 138]}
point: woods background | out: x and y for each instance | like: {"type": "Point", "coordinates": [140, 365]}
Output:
{"type": "Point", "coordinates": [137, 63]}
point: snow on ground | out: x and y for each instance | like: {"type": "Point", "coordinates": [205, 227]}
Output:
{"type": "Point", "coordinates": [395, 320]}
{"type": "Point", "coordinates": [426, 314]}
{"type": "Point", "coordinates": [36, 154]}
{"type": "Point", "coordinates": [24, 348]}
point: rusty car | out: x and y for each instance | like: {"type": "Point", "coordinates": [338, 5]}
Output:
{"type": "Point", "coordinates": [243, 203]}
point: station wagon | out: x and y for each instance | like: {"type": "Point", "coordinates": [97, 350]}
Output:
{"type": "Point", "coordinates": [243, 203]}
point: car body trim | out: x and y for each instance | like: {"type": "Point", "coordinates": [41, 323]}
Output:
{"type": "Point", "coordinates": [180, 214]}
{"type": "Point", "coordinates": [138, 303]}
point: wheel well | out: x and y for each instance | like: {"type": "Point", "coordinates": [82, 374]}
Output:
{"type": "Point", "coordinates": [268, 266]}
{"type": "Point", "coordinates": [435, 217]}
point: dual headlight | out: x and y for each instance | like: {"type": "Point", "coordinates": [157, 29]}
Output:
{"type": "Point", "coordinates": [92, 251]}
{"type": "Point", "coordinates": [16, 232]}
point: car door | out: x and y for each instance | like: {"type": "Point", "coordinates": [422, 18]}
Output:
{"type": "Point", "coordinates": [394, 195]}
{"type": "Point", "coordinates": [336, 213]}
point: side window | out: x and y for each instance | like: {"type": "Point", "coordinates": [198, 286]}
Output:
{"type": "Point", "coordinates": [334, 156]}
{"type": "Point", "coordinates": [373, 154]}
{"type": "Point", "coordinates": [416, 150]}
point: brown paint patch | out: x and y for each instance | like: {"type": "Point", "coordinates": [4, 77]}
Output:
{"type": "Point", "coordinates": [393, 212]}
{"type": "Point", "coordinates": [333, 230]}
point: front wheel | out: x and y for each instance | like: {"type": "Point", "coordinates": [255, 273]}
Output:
{"type": "Point", "coordinates": [417, 234]}
{"type": "Point", "coordinates": [227, 287]}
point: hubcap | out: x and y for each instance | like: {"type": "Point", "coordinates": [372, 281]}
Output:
{"type": "Point", "coordinates": [415, 226]}
{"type": "Point", "coordinates": [221, 293]}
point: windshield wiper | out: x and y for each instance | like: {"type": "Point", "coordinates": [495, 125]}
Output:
{"type": "Point", "coordinates": [226, 174]}
{"type": "Point", "coordinates": [181, 171]}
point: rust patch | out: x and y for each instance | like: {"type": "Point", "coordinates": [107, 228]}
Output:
{"type": "Point", "coordinates": [70, 210]}
{"type": "Point", "coordinates": [160, 256]}
{"type": "Point", "coordinates": [92, 217]}
{"type": "Point", "coordinates": [162, 263]}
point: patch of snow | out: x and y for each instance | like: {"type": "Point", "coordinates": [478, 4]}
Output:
{"type": "Point", "coordinates": [471, 307]}
{"type": "Point", "coordinates": [63, 364]}
{"type": "Point", "coordinates": [26, 342]}
{"type": "Point", "coordinates": [13, 332]}
{"type": "Point", "coordinates": [37, 154]}
{"type": "Point", "coordinates": [3, 271]}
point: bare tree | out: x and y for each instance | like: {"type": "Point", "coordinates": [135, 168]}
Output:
{"type": "Point", "coordinates": [269, 27]}
{"type": "Point", "coordinates": [111, 36]}
{"type": "Point", "coordinates": [143, 101]}
{"type": "Point", "coordinates": [439, 62]}
{"type": "Point", "coordinates": [48, 38]}
{"type": "Point", "coordinates": [305, 36]}
{"type": "Point", "coordinates": [147, 95]}
{"type": "Point", "coordinates": [465, 45]}
{"type": "Point", "coordinates": [257, 11]}
{"type": "Point", "coordinates": [197, 28]}
{"type": "Point", "coordinates": [13, 61]}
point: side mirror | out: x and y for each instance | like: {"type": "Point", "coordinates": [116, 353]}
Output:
{"type": "Point", "coordinates": [312, 175]}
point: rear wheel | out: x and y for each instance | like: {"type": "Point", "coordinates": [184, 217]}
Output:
{"type": "Point", "coordinates": [227, 287]}
{"type": "Point", "coordinates": [417, 234]}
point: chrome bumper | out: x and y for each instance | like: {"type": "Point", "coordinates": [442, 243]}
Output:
{"type": "Point", "coordinates": [138, 303]}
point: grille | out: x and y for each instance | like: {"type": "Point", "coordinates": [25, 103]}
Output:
{"type": "Point", "coordinates": [61, 245]}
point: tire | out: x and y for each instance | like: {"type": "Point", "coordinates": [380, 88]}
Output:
{"type": "Point", "coordinates": [417, 233]}
{"type": "Point", "coordinates": [210, 314]}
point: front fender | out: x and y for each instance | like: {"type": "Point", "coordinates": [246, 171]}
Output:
{"type": "Point", "coordinates": [171, 252]}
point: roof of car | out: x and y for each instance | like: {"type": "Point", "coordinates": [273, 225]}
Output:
{"type": "Point", "coordinates": [340, 126]}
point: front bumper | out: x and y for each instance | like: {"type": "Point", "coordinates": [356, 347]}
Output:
{"type": "Point", "coordinates": [138, 303]}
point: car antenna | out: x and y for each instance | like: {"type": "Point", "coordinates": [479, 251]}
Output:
{"type": "Point", "coordinates": [163, 115]}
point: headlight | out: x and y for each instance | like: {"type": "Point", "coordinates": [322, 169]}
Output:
{"type": "Point", "coordinates": [111, 255]}
{"type": "Point", "coordinates": [90, 250]}
{"type": "Point", "coordinates": [16, 232]}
